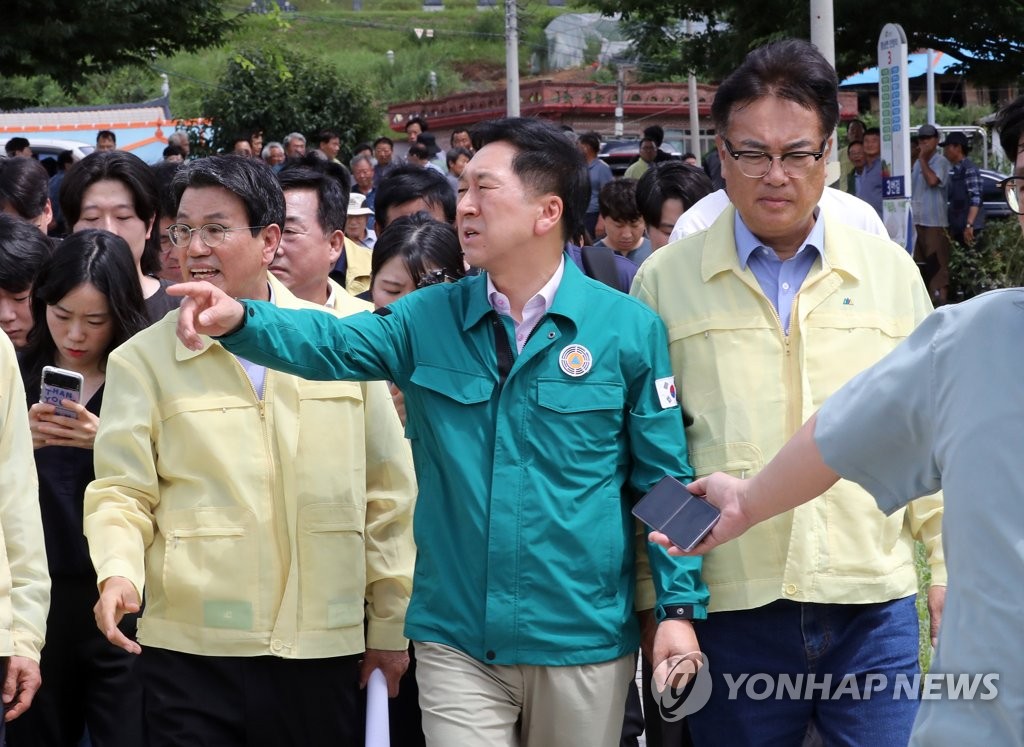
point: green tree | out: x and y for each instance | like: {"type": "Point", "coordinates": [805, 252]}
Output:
{"type": "Point", "coordinates": [283, 91]}
{"type": "Point", "coordinates": [68, 40]}
{"type": "Point", "coordinates": [986, 36]}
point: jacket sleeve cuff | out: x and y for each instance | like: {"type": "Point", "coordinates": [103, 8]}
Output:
{"type": "Point", "coordinates": [125, 570]}
{"type": "Point", "coordinates": [386, 636]}
{"type": "Point", "coordinates": [939, 577]}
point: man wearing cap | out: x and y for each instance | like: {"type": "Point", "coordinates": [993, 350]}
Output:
{"type": "Point", "coordinates": [929, 181]}
{"type": "Point", "coordinates": [358, 217]}
{"type": "Point", "coordinates": [966, 211]}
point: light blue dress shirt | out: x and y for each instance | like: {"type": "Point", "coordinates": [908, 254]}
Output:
{"type": "Point", "coordinates": [779, 280]}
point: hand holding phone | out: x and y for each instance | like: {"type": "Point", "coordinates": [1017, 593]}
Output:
{"type": "Point", "coordinates": [59, 384]}
{"type": "Point", "coordinates": [671, 509]}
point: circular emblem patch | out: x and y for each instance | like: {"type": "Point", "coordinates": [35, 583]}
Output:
{"type": "Point", "coordinates": [575, 360]}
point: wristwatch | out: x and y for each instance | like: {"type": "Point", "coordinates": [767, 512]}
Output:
{"type": "Point", "coordinates": [969, 225]}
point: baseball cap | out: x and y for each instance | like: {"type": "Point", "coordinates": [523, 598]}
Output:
{"type": "Point", "coordinates": [955, 138]}
{"type": "Point", "coordinates": [927, 130]}
{"type": "Point", "coordinates": [357, 206]}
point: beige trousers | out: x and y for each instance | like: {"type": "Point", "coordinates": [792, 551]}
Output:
{"type": "Point", "coordinates": [466, 702]}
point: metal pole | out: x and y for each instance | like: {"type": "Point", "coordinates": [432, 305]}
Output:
{"type": "Point", "coordinates": [931, 86]}
{"type": "Point", "coordinates": [823, 36]}
{"type": "Point", "coordinates": [511, 59]}
{"type": "Point", "coordinates": [620, 88]}
{"type": "Point", "coordinates": [695, 147]}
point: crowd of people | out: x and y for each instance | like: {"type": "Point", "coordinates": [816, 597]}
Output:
{"type": "Point", "coordinates": [392, 414]}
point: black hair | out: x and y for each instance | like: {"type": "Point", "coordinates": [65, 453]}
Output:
{"type": "Point", "coordinates": [325, 136]}
{"type": "Point", "coordinates": [65, 158]}
{"type": "Point", "coordinates": [790, 69]}
{"type": "Point", "coordinates": [853, 143]}
{"type": "Point", "coordinates": [456, 131]}
{"type": "Point", "coordinates": [420, 241]}
{"type": "Point", "coordinates": [420, 151]}
{"type": "Point", "coordinates": [617, 200]}
{"type": "Point", "coordinates": [383, 139]}
{"type": "Point", "coordinates": [419, 121]}
{"type": "Point", "coordinates": [15, 144]}
{"type": "Point", "coordinates": [407, 183]}
{"type": "Point", "coordinates": [249, 179]}
{"type": "Point", "coordinates": [24, 187]}
{"type": "Point", "coordinates": [546, 162]}
{"type": "Point", "coordinates": [163, 173]}
{"type": "Point", "coordinates": [592, 140]}
{"type": "Point", "coordinates": [93, 256]}
{"type": "Point", "coordinates": [106, 135]}
{"type": "Point", "coordinates": [873, 131]}
{"type": "Point", "coordinates": [655, 133]}
{"type": "Point", "coordinates": [1009, 123]}
{"type": "Point", "coordinates": [135, 174]}
{"type": "Point", "coordinates": [363, 146]}
{"type": "Point", "coordinates": [173, 150]}
{"type": "Point", "coordinates": [453, 155]}
{"type": "Point", "coordinates": [331, 193]}
{"type": "Point", "coordinates": [23, 249]}
{"type": "Point", "coordinates": [670, 179]}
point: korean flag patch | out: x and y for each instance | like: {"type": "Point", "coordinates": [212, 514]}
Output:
{"type": "Point", "coordinates": [666, 392]}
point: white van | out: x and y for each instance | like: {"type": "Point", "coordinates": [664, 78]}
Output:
{"type": "Point", "coordinates": [44, 148]}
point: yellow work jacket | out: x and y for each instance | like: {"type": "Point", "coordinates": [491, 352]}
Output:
{"type": "Point", "coordinates": [24, 579]}
{"type": "Point", "coordinates": [745, 388]}
{"type": "Point", "coordinates": [256, 525]}
{"type": "Point", "coordinates": [357, 276]}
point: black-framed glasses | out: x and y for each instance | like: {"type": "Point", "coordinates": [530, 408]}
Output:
{"type": "Point", "coordinates": [1013, 187]}
{"type": "Point", "coordinates": [756, 163]}
{"type": "Point", "coordinates": [212, 234]}
{"type": "Point", "coordinates": [434, 277]}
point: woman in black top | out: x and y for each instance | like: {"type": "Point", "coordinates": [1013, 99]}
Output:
{"type": "Point", "coordinates": [118, 192]}
{"type": "Point", "coordinates": [86, 301]}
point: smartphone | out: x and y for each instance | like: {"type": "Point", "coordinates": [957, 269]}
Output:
{"type": "Point", "coordinates": [677, 513]}
{"type": "Point", "coordinates": [59, 384]}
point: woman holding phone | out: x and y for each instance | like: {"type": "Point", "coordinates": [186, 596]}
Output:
{"type": "Point", "coordinates": [86, 301]}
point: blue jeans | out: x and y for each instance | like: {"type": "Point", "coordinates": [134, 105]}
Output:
{"type": "Point", "coordinates": [759, 658]}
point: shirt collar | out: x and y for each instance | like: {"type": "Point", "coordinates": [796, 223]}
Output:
{"type": "Point", "coordinates": [547, 293]}
{"type": "Point", "coordinates": [747, 243]}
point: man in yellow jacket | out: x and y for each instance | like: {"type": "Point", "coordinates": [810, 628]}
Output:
{"type": "Point", "coordinates": [768, 313]}
{"type": "Point", "coordinates": [265, 516]}
{"type": "Point", "coordinates": [24, 579]}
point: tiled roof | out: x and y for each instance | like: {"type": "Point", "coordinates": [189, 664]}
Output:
{"type": "Point", "coordinates": [86, 117]}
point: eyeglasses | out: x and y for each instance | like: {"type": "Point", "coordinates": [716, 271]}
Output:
{"type": "Point", "coordinates": [434, 277]}
{"type": "Point", "coordinates": [756, 163]}
{"type": "Point", "coordinates": [1012, 188]}
{"type": "Point", "coordinates": [212, 234]}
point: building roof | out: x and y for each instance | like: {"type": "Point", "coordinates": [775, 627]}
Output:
{"type": "Point", "coordinates": [917, 65]}
{"type": "Point", "coordinates": [108, 117]}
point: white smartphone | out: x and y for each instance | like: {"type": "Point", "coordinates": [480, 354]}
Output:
{"type": "Point", "coordinates": [59, 384]}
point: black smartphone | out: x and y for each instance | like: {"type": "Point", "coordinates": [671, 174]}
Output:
{"type": "Point", "coordinates": [674, 511]}
{"type": "Point", "coordinates": [59, 384]}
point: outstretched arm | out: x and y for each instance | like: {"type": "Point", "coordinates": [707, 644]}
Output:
{"type": "Point", "coordinates": [206, 310]}
{"type": "Point", "coordinates": [796, 475]}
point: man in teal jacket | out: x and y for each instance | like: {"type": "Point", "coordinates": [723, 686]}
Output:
{"type": "Point", "coordinates": [534, 396]}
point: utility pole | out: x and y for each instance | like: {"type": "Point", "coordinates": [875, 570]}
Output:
{"type": "Point", "coordinates": [823, 36]}
{"type": "Point", "coordinates": [511, 58]}
{"type": "Point", "coordinates": [930, 87]}
{"type": "Point", "coordinates": [695, 147]}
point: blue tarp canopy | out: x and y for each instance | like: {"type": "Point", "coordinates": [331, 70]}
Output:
{"type": "Point", "coordinates": [917, 65]}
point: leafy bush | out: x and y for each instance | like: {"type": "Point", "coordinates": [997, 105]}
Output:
{"type": "Point", "coordinates": [996, 261]}
{"type": "Point", "coordinates": [283, 91]}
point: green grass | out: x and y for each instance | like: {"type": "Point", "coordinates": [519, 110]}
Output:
{"type": "Point", "coordinates": [924, 579]}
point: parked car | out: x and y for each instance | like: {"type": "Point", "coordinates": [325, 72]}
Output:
{"type": "Point", "coordinates": [992, 195]}
{"type": "Point", "coordinates": [44, 148]}
{"type": "Point", "coordinates": [621, 153]}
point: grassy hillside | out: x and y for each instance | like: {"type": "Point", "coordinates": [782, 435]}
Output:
{"type": "Point", "coordinates": [467, 51]}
